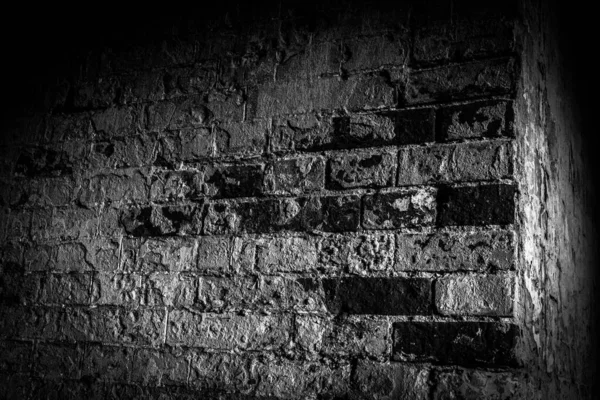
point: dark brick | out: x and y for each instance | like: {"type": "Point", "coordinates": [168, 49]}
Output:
{"type": "Point", "coordinates": [384, 296]}
{"type": "Point", "coordinates": [398, 209]}
{"type": "Point", "coordinates": [43, 162]}
{"type": "Point", "coordinates": [476, 205]}
{"type": "Point", "coordinates": [18, 288]}
{"type": "Point", "coordinates": [234, 181]}
{"type": "Point", "coordinates": [462, 343]}
{"type": "Point", "coordinates": [481, 119]}
{"type": "Point", "coordinates": [15, 356]}
{"type": "Point", "coordinates": [414, 126]}
{"type": "Point", "coordinates": [57, 361]}
{"type": "Point", "coordinates": [185, 145]}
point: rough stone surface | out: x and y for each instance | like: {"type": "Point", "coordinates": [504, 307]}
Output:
{"type": "Point", "coordinates": [480, 119]}
{"type": "Point", "coordinates": [482, 161]}
{"type": "Point", "coordinates": [475, 295]}
{"type": "Point", "coordinates": [455, 251]}
{"type": "Point", "coordinates": [366, 169]}
{"type": "Point", "coordinates": [472, 384]}
{"type": "Point", "coordinates": [392, 210]}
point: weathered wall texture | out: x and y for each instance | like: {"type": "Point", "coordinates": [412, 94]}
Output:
{"type": "Point", "coordinates": [334, 201]}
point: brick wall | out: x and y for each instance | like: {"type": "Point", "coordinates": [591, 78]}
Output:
{"type": "Point", "coordinates": [295, 202]}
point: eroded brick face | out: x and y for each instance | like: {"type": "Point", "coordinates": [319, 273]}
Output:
{"type": "Point", "coordinates": [301, 202]}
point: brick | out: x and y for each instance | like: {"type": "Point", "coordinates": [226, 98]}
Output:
{"type": "Point", "coordinates": [462, 38]}
{"type": "Point", "coordinates": [107, 363]}
{"type": "Point", "coordinates": [14, 225]}
{"type": "Point", "coordinates": [328, 213]}
{"type": "Point", "coordinates": [141, 87]}
{"type": "Point", "coordinates": [472, 384]}
{"type": "Point", "coordinates": [374, 52]}
{"type": "Point", "coordinates": [44, 162]}
{"type": "Point", "coordinates": [282, 378]}
{"type": "Point", "coordinates": [286, 254]}
{"type": "Point", "coordinates": [126, 152]}
{"type": "Point", "coordinates": [158, 289]}
{"type": "Point", "coordinates": [383, 296]}
{"type": "Point", "coordinates": [185, 145]}
{"type": "Point", "coordinates": [157, 221]}
{"type": "Point", "coordinates": [117, 121]}
{"type": "Point", "coordinates": [392, 210]}
{"type": "Point", "coordinates": [248, 138]}
{"type": "Point", "coordinates": [243, 255]}
{"type": "Point", "coordinates": [214, 254]}
{"type": "Point", "coordinates": [234, 181]}
{"type": "Point", "coordinates": [480, 205]}
{"type": "Point", "coordinates": [70, 126]}
{"type": "Point", "coordinates": [96, 93]}
{"type": "Point", "coordinates": [295, 176]}
{"type": "Point", "coordinates": [460, 81]}
{"type": "Point", "coordinates": [19, 288]}
{"type": "Point", "coordinates": [64, 224]}
{"type": "Point", "coordinates": [15, 356]}
{"type": "Point", "coordinates": [217, 294]}
{"type": "Point", "coordinates": [475, 295]}
{"type": "Point", "coordinates": [188, 80]}
{"type": "Point", "coordinates": [159, 255]}
{"type": "Point", "coordinates": [160, 367]}
{"type": "Point", "coordinates": [475, 120]}
{"type": "Point", "coordinates": [194, 111]}
{"type": "Point", "coordinates": [63, 289]}
{"type": "Point", "coordinates": [11, 257]}
{"type": "Point", "coordinates": [221, 371]}
{"type": "Point", "coordinates": [311, 61]}
{"type": "Point", "coordinates": [455, 251]}
{"type": "Point", "coordinates": [114, 190]}
{"type": "Point", "coordinates": [461, 343]}
{"type": "Point", "coordinates": [355, 93]}
{"type": "Point", "coordinates": [454, 163]}
{"type": "Point", "coordinates": [373, 380]}
{"type": "Point", "coordinates": [356, 337]}
{"type": "Point", "coordinates": [64, 257]}
{"type": "Point", "coordinates": [57, 361]}
{"type": "Point", "coordinates": [228, 332]}
{"type": "Point", "coordinates": [225, 181]}
{"type": "Point", "coordinates": [359, 254]}
{"type": "Point", "coordinates": [361, 169]}
{"type": "Point", "coordinates": [414, 126]}
{"type": "Point", "coordinates": [114, 325]}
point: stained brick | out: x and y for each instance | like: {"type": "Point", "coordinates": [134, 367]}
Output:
{"type": "Point", "coordinates": [480, 119]}
{"type": "Point", "coordinates": [392, 210]}
{"type": "Point", "coordinates": [358, 254]}
{"type": "Point", "coordinates": [454, 163]}
{"type": "Point", "coordinates": [328, 213]}
{"type": "Point", "coordinates": [295, 176]}
{"type": "Point", "coordinates": [159, 255]}
{"type": "Point", "coordinates": [66, 289]}
{"type": "Point", "coordinates": [361, 169]}
{"type": "Point", "coordinates": [454, 251]}
{"type": "Point", "coordinates": [461, 343]}
{"type": "Point", "coordinates": [384, 296]}
{"type": "Point", "coordinates": [285, 254]}
{"type": "Point", "coordinates": [167, 221]}
{"type": "Point", "coordinates": [476, 205]}
{"type": "Point", "coordinates": [460, 81]}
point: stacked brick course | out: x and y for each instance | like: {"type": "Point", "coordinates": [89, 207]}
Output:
{"type": "Point", "coordinates": [282, 210]}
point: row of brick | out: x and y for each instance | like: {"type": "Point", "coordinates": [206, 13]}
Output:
{"type": "Point", "coordinates": [487, 295]}
{"type": "Point", "coordinates": [338, 170]}
{"type": "Point", "coordinates": [310, 132]}
{"type": "Point", "coordinates": [322, 98]}
{"type": "Point", "coordinates": [448, 342]}
{"type": "Point", "coordinates": [158, 376]}
{"type": "Point", "coordinates": [327, 254]}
